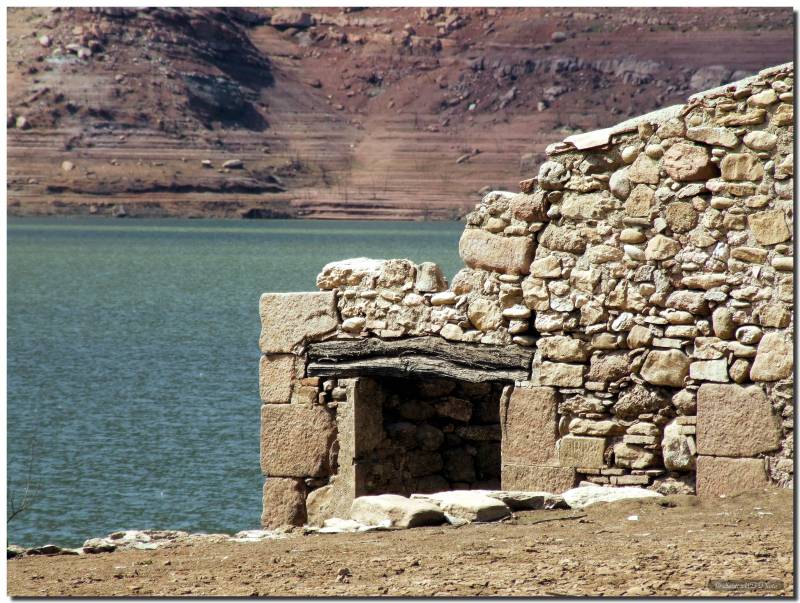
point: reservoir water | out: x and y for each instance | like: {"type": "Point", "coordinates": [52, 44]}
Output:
{"type": "Point", "coordinates": [133, 357]}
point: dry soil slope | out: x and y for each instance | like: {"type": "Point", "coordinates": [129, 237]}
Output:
{"type": "Point", "coordinates": [377, 113]}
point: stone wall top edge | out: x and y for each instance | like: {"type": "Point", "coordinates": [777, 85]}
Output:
{"type": "Point", "coordinates": [774, 71]}
{"type": "Point", "coordinates": [599, 138]}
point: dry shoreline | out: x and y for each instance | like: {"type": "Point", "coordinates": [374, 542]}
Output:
{"type": "Point", "coordinates": [675, 547]}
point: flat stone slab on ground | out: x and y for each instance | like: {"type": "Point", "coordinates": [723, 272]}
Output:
{"type": "Point", "coordinates": [335, 525]}
{"type": "Point", "coordinates": [518, 500]}
{"type": "Point", "coordinates": [399, 511]}
{"type": "Point", "coordinates": [257, 535]}
{"type": "Point", "coordinates": [583, 496]}
{"type": "Point", "coordinates": [468, 505]}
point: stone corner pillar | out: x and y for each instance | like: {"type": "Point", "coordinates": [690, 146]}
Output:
{"type": "Point", "coordinates": [284, 502]}
{"type": "Point", "coordinates": [297, 442]}
{"type": "Point", "coordinates": [726, 475]}
{"type": "Point", "coordinates": [528, 451]}
{"type": "Point", "coordinates": [288, 320]}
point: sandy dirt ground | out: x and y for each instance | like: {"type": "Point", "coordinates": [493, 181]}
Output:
{"type": "Point", "coordinates": [675, 547]}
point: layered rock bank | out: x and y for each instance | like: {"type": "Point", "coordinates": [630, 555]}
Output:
{"type": "Point", "coordinates": [631, 307]}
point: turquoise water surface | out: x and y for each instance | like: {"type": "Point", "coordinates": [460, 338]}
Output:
{"type": "Point", "coordinates": [132, 362]}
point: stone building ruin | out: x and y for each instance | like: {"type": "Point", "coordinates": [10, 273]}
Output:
{"type": "Point", "coordinates": [625, 319]}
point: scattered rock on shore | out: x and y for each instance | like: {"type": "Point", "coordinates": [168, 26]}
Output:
{"type": "Point", "coordinates": [467, 505]}
{"type": "Point", "coordinates": [583, 496]}
{"type": "Point", "coordinates": [233, 164]}
{"type": "Point", "coordinates": [399, 511]}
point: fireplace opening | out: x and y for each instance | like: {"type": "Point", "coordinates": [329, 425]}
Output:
{"type": "Point", "coordinates": [423, 435]}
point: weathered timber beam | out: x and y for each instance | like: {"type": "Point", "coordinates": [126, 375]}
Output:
{"type": "Point", "coordinates": [429, 356]}
{"type": "Point", "coordinates": [411, 366]}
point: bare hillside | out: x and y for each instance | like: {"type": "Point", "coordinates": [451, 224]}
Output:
{"type": "Point", "coordinates": [338, 113]}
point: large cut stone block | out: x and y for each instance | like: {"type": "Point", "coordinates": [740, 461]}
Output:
{"type": "Point", "coordinates": [719, 475]}
{"type": "Point", "coordinates": [276, 375]}
{"type": "Point", "coordinates": [580, 451]}
{"type": "Point", "coordinates": [509, 255]}
{"type": "Point", "coordinates": [296, 440]}
{"type": "Point", "coordinates": [284, 500]}
{"type": "Point", "coordinates": [290, 319]}
{"type": "Point", "coordinates": [537, 478]}
{"type": "Point", "coordinates": [529, 427]}
{"type": "Point", "coordinates": [735, 421]}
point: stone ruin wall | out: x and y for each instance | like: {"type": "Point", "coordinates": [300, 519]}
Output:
{"type": "Point", "coordinates": [648, 273]}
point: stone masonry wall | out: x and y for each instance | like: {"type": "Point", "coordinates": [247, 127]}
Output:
{"type": "Point", "coordinates": [650, 267]}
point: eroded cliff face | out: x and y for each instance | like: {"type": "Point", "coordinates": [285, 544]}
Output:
{"type": "Point", "coordinates": [647, 274]}
{"type": "Point", "coordinates": [377, 113]}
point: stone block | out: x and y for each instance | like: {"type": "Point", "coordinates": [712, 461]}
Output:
{"type": "Point", "coordinates": [713, 136]}
{"type": "Point", "coordinates": [741, 166]}
{"type": "Point", "coordinates": [560, 238]}
{"type": "Point", "coordinates": [560, 375]}
{"type": "Point", "coordinates": [508, 255]}
{"type": "Point", "coordinates": [579, 451]}
{"type": "Point", "coordinates": [606, 367]}
{"type": "Point", "coordinates": [676, 449]}
{"type": "Point", "coordinates": [562, 348]}
{"type": "Point", "coordinates": [640, 202]}
{"type": "Point", "coordinates": [529, 208]}
{"type": "Point", "coordinates": [669, 367]}
{"type": "Point", "coordinates": [529, 428]}
{"type": "Point", "coordinates": [537, 477]}
{"type": "Point", "coordinates": [644, 170]}
{"type": "Point", "coordinates": [735, 421]}
{"type": "Point", "coordinates": [769, 227]}
{"type": "Point", "coordinates": [320, 504]}
{"type": "Point", "coordinates": [291, 319]}
{"type": "Point", "coordinates": [632, 456]}
{"type": "Point", "coordinates": [681, 216]}
{"type": "Point", "coordinates": [296, 440]}
{"type": "Point", "coordinates": [709, 370]}
{"type": "Point", "coordinates": [774, 315]}
{"type": "Point", "coordinates": [351, 272]}
{"type": "Point", "coordinates": [661, 248]}
{"type": "Point", "coordinates": [284, 502]}
{"type": "Point", "coordinates": [727, 476]}
{"type": "Point", "coordinates": [276, 375]}
{"type": "Point", "coordinates": [686, 162]}
{"type": "Point", "coordinates": [760, 140]}
{"type": "Point", "coordinates": [783, 116]}
{"type": "Point", "coordinates": [589, 206]}
{"type": "Point", "coordinates": [430, 278]}
{"type": "Point", "coordinates": [546, 267]}
{"type": "Point", "coordinates": [693, 302]}
{"type": "Point", "coordinates": [774, 358]}
{"type": "Point", "coordinates": [485, 314]}
{"type": "Point", "coordinates": [528, 501]}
